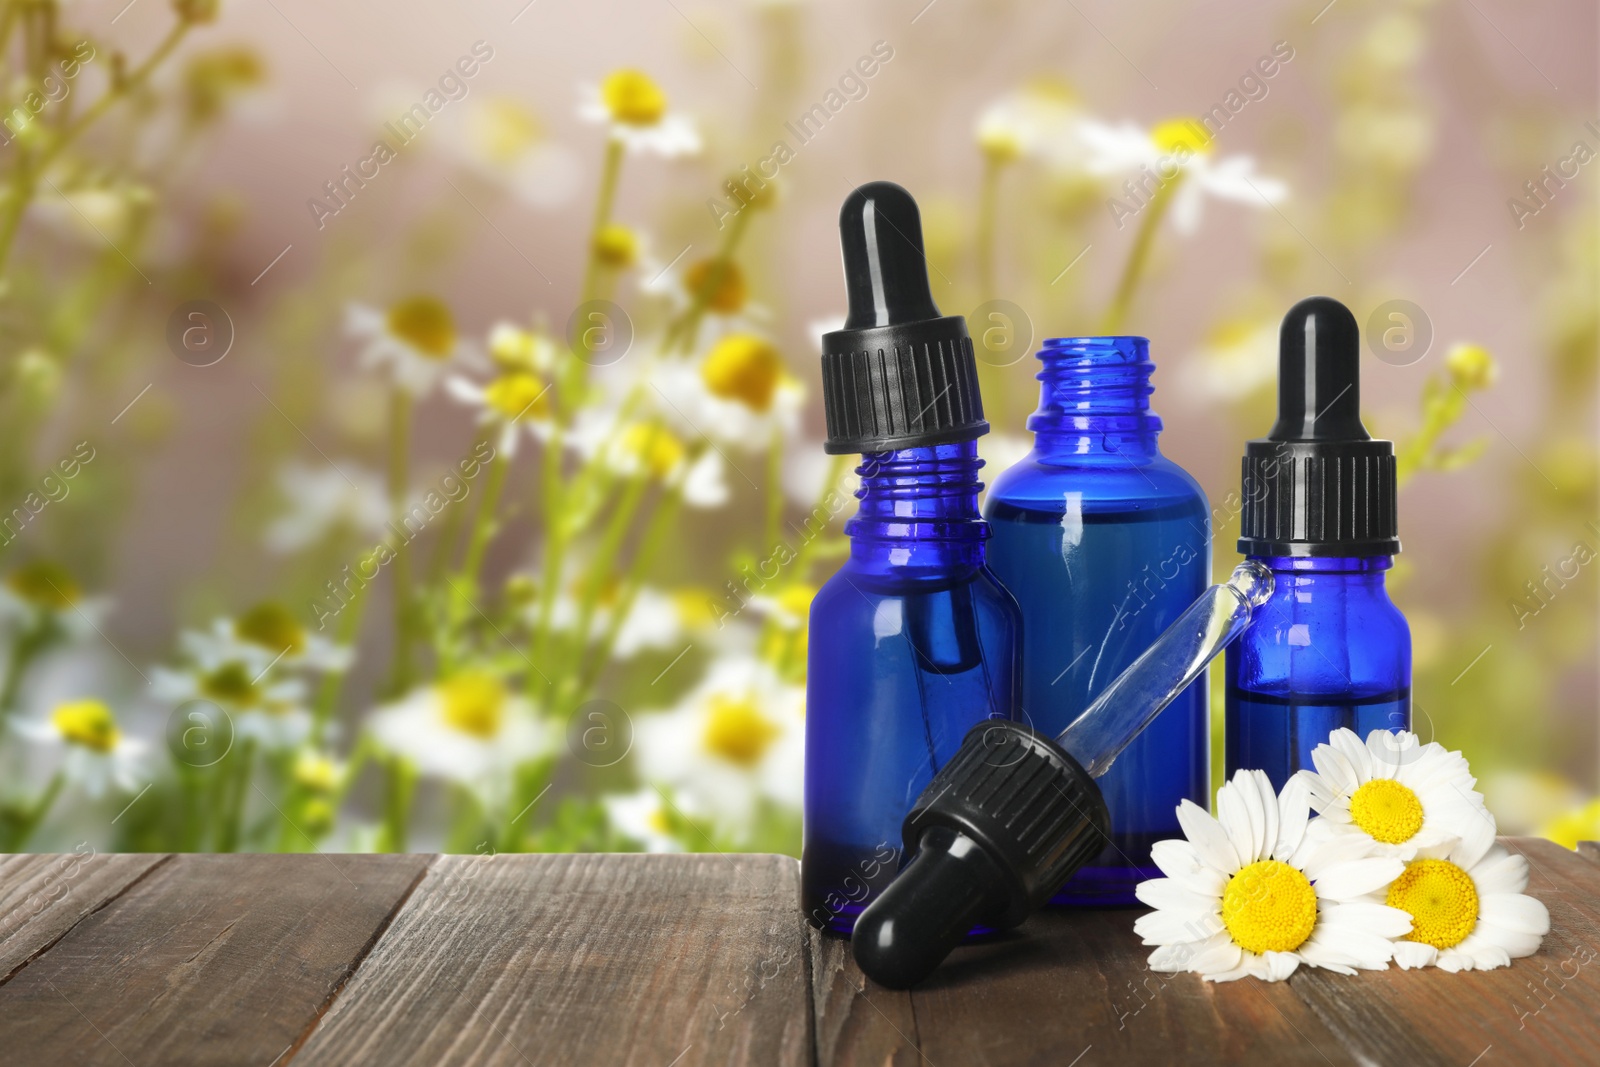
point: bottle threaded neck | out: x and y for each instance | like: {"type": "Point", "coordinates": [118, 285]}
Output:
{"type": "Point", "coordinates": [1094, 396]}
{"type": "Point", "coordinates": [920, 494]}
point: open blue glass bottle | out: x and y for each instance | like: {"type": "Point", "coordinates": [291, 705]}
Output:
{"type": "Point", "coordinates": [913, 641]}
{"type": "Point", "coordinates": [1104, 542]}
{"type": "Point", "coordinates": [1329, 649]}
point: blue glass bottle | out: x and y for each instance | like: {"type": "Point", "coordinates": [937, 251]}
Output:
{"type": "Point", "coordinates": [912, 642]}
{"type": "Point", "coordinates": [1104, 542]}
{"type": "Point", "coordinates": [1330, 649]}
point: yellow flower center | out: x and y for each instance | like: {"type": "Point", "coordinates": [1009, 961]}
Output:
{"type": "Point", "coordinates": [999, 143]}
{"type": "Point", "coordinates": [231, 682]}
{"type": "Point", "coordinates": [316, 772]}
{"type": "Point", "coordinates": [738, 732]}
{"type": "Point", "coordinates": [796, 600]}
{"type": "Point", "coordinates": [1387, 810]}
{"type": "Point", "coordinates": [44, 583]}
{"type": "Point", "coordinates": [516, 396]}
{"type": "Point", "coordinates": [615, 245]}
{"type": "Point", "coordinates": [88, 723]}
{"type": "Point", "coordinates": [658, 821]}
{"type": "Point", "coordinates": [632, 97]}
{"type": "Point", "coordinates": [504, 129]}
{"type": "Point", "coordinates": [514, 349]}
{"type": "Point", "coordinates": [1174, 134]}
{"type": "Point", "coordinates": [1441, 900]}
{"type": "Point", "coordinates": [718, 282]}
{"type": "Point", "coordinates": [657, 449]}
{"type": "Point", "coordinates": [474, 704]}
{"type": "Point", "coordinates": [270, 626]}
{"type": "Point", "coordinates": [424, 323]}
{"type": "Point", "coordinates": [743, 368]}
{"type": "Point", "coordinates": [1269, 907]}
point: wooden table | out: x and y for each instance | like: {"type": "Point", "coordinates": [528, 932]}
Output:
{"type": "Point", "coordinates": [674, 960]}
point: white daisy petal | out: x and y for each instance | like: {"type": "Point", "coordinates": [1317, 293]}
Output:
{"type": "Point", "coordinates": [1210, 840]}
{"type": "Point", "coordinates": [1345, 881]}
{"type": "Point", "coordinates": [1517, 913]}
{"type": "Point", "coordinates": [1411, 954]}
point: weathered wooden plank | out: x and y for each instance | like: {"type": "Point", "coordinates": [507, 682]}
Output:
{"type": "Point", "coordinates": [42, 897]}
{"type": "Point", "coordinates": [1072, 981]}
{"type": "Point", "coordinates": [649, 960]}
{"type": "Point", "coordinates": [857, 1025]}
{"type": "Point", "coordinates": [1538, 1010]}
{"type": "Point", "coordinates": [208, 960]}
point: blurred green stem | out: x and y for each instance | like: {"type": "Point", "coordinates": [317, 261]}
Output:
{"type": "Point", "coordinates": [484, 523]}
{"type": "Point", "coordinates": [25, 645]}
{"type": "Point", "coordinates": [333, 681]}
{"type": "Point", "coordinates": [610, 171]}
{"type": "Point", "coordinates": [30, 822]}
{"type": "Point", "coordinates": [400, 404]}
{"type": "Point", "coordinates": [1139, 257]}
{"type": "Point", "coordinates": [232, 811]}
{"type": "Point", "coordinates": [399, 784]}
{"type": "Point", "coordinates": [774, 491]}
{"type": "Point", "coordinates": [682, 332]}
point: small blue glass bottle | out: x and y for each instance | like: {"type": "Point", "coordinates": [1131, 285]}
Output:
{"type": "Point", "coordinates": [1104, 542]}
{"type": "Point", "coordinates": [1329, 649]}
{"type": "Point", "coordinates": [912, 642]}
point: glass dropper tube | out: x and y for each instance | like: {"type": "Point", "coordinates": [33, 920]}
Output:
{"type": "Point", "coordinates": [1151, 682]}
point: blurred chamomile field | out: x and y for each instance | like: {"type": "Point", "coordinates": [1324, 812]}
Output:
{"type": "Point", "coordinates": [409, 423]}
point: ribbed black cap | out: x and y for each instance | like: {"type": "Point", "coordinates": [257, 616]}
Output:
{"type": "Point", "coordinates": [999, 829]}
{"type": "Point", "coordinates": [1318, 484]}
{"type": "Point", "coordinates": [899, 375]}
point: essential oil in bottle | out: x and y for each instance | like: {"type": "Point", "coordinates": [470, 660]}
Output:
{"type": "Point", "coordinates": [1329, 649]}
{"type": "Point", "coordinates": [1104, 542]}
{"type": "Point", "coordinates": [913, 641]}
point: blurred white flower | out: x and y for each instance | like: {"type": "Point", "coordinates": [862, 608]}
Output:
{"type": "Point", "coordinates": [739, 394]}
{"type": "Point", "coordinates": [642, 817]}
{"type": "Point", "coordinates": [502, 140]}
{"type": "Point", "coordinates": [638, 449]}
{"type": "Point", "coordinates": [267, 636]}
{"type": "Point", "coordinates": [271, 713]}
{"type": "Point", "coordinates": [468, 729]}
{"type": "Point", "coordinates": [322, 500]}
{"type": "Point", "coordinates": [96, 752]}
{"type": "Point", "coordinates": [1038, 121]}
{"type": "Point", "coordinates": [635, 110]}
{"type": "Point", "coordinates": [514, 402]}
{"type": "Point", "coordinates": [1238, 357]}
{"type": "Point", "coordinates": [737, 738]}
{"type": "Point", "coordinates": [43, 596]}
{"type": "Point", "coordinates": [1177, 150]}
{"type": "Point", "coordinates": [415, 341]}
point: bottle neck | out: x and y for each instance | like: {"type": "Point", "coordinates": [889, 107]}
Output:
{"type": "Point", "coordinates": [919, 508]}
{"type": "Point", "coordinates": [1357, 570]}
{"type": "Point", "coordinates": [1094, 400]}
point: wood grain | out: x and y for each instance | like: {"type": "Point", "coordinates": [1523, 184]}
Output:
{"type": "Point", "coordinates": [208, 960]}
{"type": "Point", "coordinates": [649, 960]}
{"type": "Point", "coordinates": [1074, 983]}
{"type": "Point", "coordinates": [857, 1023]}
{"type": "Point", "coordinates": [42, 897]}
{"type": "Point", "coordinates": [1539, 1010]}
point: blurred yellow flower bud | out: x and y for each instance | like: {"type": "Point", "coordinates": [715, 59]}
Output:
{"type": "Point", "coordinates": [745, 368]}
{"type": "Point", "coordinates": [88, 723]}
{"type": "Point", "coordinates": [316, 772]}
{"type": "Point", "coordinates": [44, 584]}
{"type": "Point", "coordinates": [616, 246]}
{"type": "Point", "coordinates": [1472, 367]}
{"type": "Point", "coordinates": [272, 627]}
{"type": "Point", "coordinates": [197, 11]}
{"type": "Point", "coordinates": [424, 323]}
{"type": "Point", "coordinates": [633, 98]}
{"type": "Point", "coordinates": [517, 396]}
{"type": "Point", "coordinates": [656, 448]}
{"type": "Point", "coordinates": [1174, 134]}
{"type": "Point", "coordinates": [719, 281]}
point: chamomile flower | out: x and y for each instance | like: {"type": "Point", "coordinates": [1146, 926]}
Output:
{"type": "Point", "coordinates": [1467, 907]}
{"type": "Point", "coordinates": [97, 753]}
{"type": "Point", "coordinates": [270, 712]}
{"type": "Point", "coordinates": [468, 728]}
{"type": "Point", "coordinates": [503, 140]}
{"type": "Point", "coordinates": [44, 596]}
{"type": "Point", "coordinates": [415, 341]}
{"type": "Point", "coordinates": [266, 636]}
{"type": "Point", "coordinates": [1395, 792]}
{"type": "Point", "coordinates": [739, 394]}
{"type": "Point", "coordinates": [736, 739]}
{"type": "Point", "coordinates": [634, 108]}
{"type": "Point", "coordinates": [1038, 121]}
{"type": "Point", "coordinates": [324, 500]}
{"type": "Point", "coordinates": [1248, 894]}
{"type": "Point", "coordinates": [1178, 150]}
{"type": "Point", "coordinates": [1237, 357]}
{"type": "Point", "coordinates": [642, 816]}
{"type": "Point", "coordinates": [514, 401]}
{"type": "Point", "coordinates": [640, 449]}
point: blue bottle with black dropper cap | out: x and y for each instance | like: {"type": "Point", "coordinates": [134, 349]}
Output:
{"type": "Point", "coordinates": [913, 641]}
{"type": "Point", "coordinates": [1329, 649]}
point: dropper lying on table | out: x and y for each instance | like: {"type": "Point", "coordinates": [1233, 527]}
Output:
{"type": "Point", "coordinates": [1013, 814]}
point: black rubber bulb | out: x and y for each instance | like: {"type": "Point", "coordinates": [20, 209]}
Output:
{"type": "Point", "coordinates": [885, 268]}
{"type": "Point", "coordinates": [950, 886]}
{"type": "Point", "coordinates": [1319, 374]}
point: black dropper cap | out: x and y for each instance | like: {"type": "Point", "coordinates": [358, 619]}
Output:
{"type": "Point", "coordinates": [899, 375]}
{"type": "Point", "coordinates": [1318, 484]}
{"type": "Point", "coordinates": [995, 834]}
